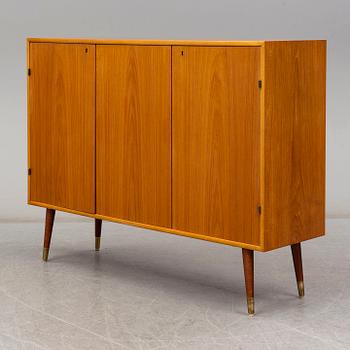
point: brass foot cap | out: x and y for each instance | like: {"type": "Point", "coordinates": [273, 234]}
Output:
{"type": "Point", "coordinates": [301, 290]}
{"type": "Point", "coordinates": [250, 304]}
{"type": "Point", "coordinates": [97, 243]}
{"type": "Point", "coordinates": [45, 254]}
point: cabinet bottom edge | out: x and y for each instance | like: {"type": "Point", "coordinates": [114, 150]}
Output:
{"type": "Point", "coordinates": [151, 227]}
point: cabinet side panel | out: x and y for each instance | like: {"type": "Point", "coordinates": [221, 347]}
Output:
{"type": "Point", "coordinates": [295, 83]}
{"type": "Point", "coordinates": [133, 131]}
{"type": "Point", "coordinates": [216, 128]}
{"type": "Point", "coordinates": [61, 125]}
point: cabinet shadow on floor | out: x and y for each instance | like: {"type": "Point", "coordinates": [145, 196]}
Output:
{"type": "Point", "coordinates": [178, 266]}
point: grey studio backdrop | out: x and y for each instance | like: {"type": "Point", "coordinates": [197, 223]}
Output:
{"type": "Point", "coordinates": [176, 19]}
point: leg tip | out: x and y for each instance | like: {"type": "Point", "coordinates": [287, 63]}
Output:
{"type": "Point", "coordinates": [301, 289]}
{"type": "Point", "coordinates": [45, 254]}
{"type": "Point", "coordinates": [97, 243]}
{"type": "Point", "coordinates": [250, 305]}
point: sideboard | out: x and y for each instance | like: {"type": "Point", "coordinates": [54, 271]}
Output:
{"type": "Point", "coordinates": [216, 140]}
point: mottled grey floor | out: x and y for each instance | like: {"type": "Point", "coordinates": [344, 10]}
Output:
{"type": "Point", "coordinates": [149, 290]}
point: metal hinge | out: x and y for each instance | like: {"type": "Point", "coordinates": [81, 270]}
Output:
{"type": "Point", "coordinates": [29, 171]}
{"type": "Point", "coordinates": [29, 72]}
{"type": "Point", "coordinates": [259, 209]}
{"type": "Point", "coordinates": [259, 84]}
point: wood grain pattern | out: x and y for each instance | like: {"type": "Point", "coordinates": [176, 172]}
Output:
{"type": "Point", "coordinates": [61, 125]}
{"type": "Point", "coordinates": [150, 42]}
{"type": "Point", "coordinates": [216, 127]}
{"type": "Point", "coordinates": [218, 137]}
{"type": "Point", "coordinates": [295, 83]}
{"type": "Point", "coordinates": [133, 124]}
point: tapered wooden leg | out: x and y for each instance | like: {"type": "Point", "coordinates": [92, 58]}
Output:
{"type": "Point", "coordinates": [298, 267]}
{"type": "Point", "coordinates": [49, 220]}
{"type": "Point", "coordinates": [248, 265]}
{"type": "Point", "coordinates": [98, 227]}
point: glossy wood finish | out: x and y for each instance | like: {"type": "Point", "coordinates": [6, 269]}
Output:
{"type": "Point", "coordinates": [133, 126]}
{"type": "Point", "coordinates": [49, 221]}
{"type": "Point", "coordinates": [215, 133]}
{"type": "Point", "coordinates": [61, 108]}
{"type": "Point", "coordinates": [187, 142]}
{"type": "Point", "coordinates": [294, 192]}
{"type": "Point", "coordinates": [290, 135]}
{"type": "Point", "coordinates": [248, 267]}
{"type": "Point", "coordinates": [98, 228]}
{"type": "Point", "coordinates": [298, 267]}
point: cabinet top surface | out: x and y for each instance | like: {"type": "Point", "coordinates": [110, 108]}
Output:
{"type": "Point", "coordinates": [153, 42]}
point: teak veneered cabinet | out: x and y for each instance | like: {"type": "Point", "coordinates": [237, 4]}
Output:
{"type": "Point", "coordinates": [222, 141]}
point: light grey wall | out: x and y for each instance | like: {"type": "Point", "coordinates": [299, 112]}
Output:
{"type": "Point", "coordinates": [175, 19]}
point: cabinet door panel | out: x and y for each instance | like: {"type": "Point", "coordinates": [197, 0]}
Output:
{"type": "Point", "coordinates": [216, 127]}
{"type": "Point", "coordinates": [62, 125]}
{"type": "Point", "coordinates": [134, 133]}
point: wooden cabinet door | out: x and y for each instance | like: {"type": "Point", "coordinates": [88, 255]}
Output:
{"type": "Point", "coordinates": [133, 130]}
{"type": "Point", "coordinates": [61, 107]}
{"type": "Point", "coordinates": [215, 139]}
